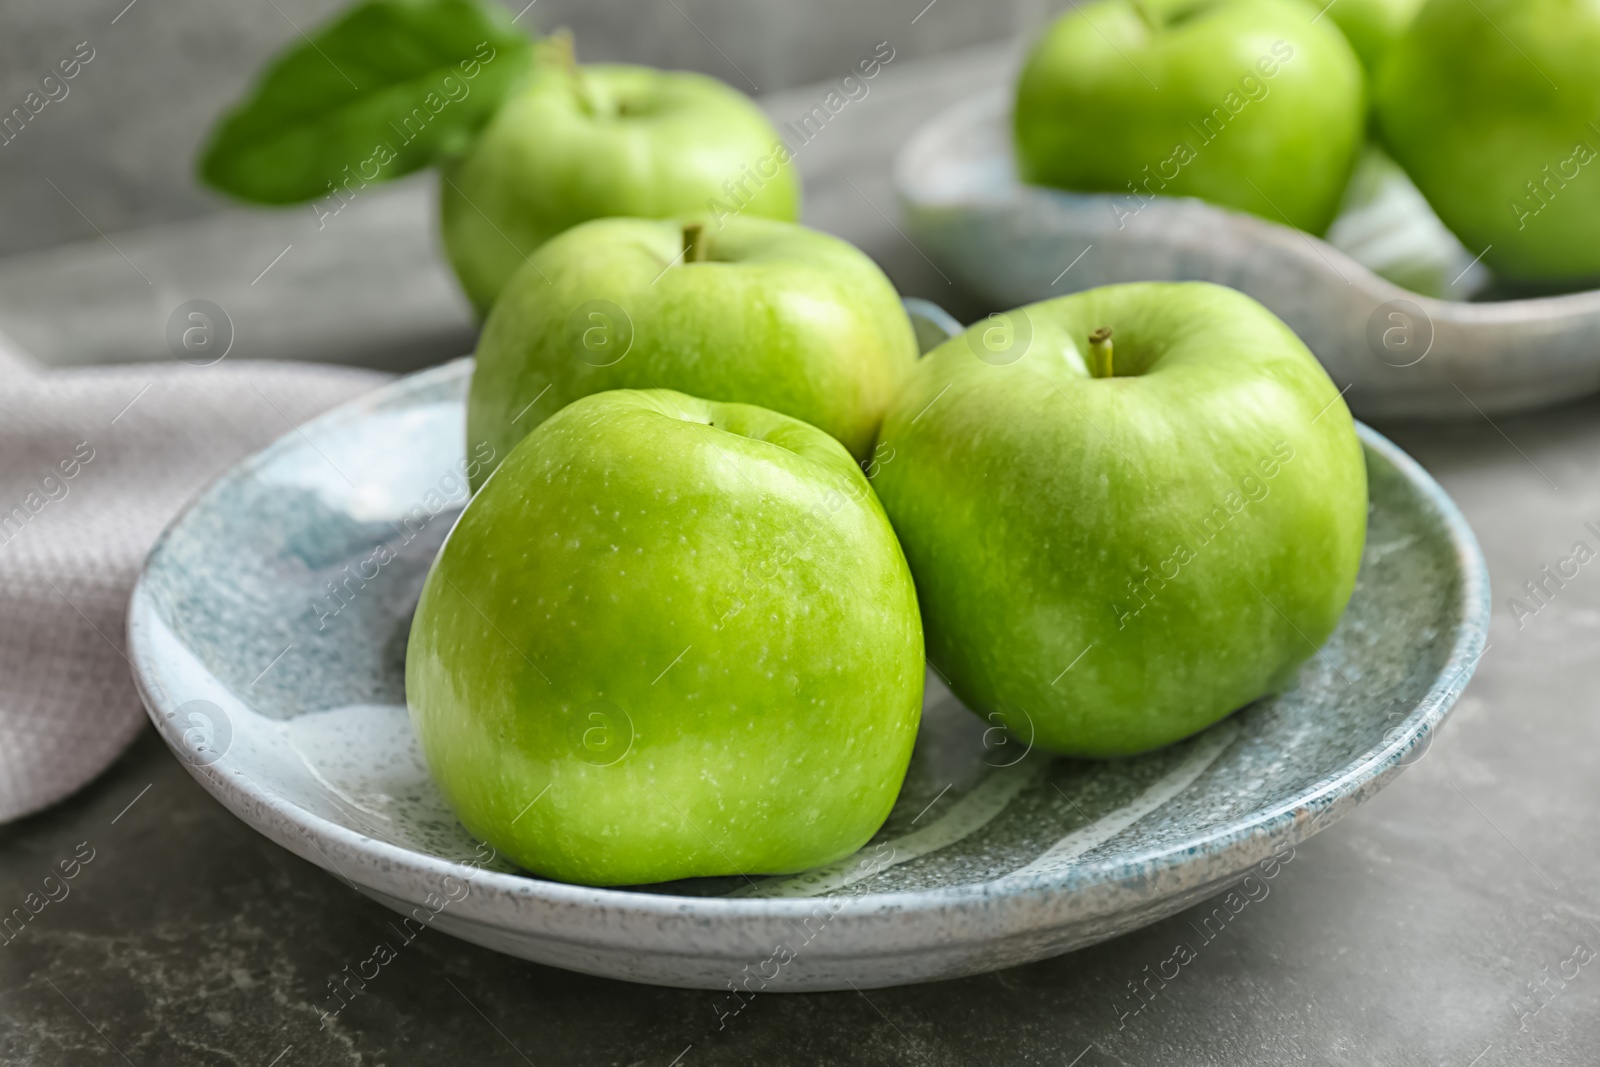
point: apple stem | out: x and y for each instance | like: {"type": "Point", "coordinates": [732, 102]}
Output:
{"type": "Point", "coordinates": [1146, 15]}
{"type": "Point", "coordinates": [564, 50]}
{"type": "Point", "coordinates": [1100, 363]}
{"type": "Point", "coordinates": [694, 242]}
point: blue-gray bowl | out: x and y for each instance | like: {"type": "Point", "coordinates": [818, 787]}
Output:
{"type": "Point", "coordinates": [278, 680]}
{"type": "Point", "coordinates": [1401, 354]}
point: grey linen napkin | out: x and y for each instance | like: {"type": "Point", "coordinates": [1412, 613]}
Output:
{"type": "Point", "coordinates": [93, 464]}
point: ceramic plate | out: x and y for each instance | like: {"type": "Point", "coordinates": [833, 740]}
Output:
{"type": "Point", "coordinates": [268, 635]}
{"type": "Point", "coordinates": [1401, 353]}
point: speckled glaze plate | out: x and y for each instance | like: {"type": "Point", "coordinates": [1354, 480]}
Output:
{"type": "Point", "coordinates": [1402, 354]}
{"type": "Point", "coordinates": [268, 634]}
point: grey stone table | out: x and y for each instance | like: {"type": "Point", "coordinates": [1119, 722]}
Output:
{"type": "Point", "coordinates": [1454, 920]}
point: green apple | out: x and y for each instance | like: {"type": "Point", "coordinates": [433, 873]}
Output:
{"type": "Point", "coordinates": [1251, 104]}
{"type": "Point", "coordinates": [1373, 26]}
{"type": "Point", "coordinates": [1493, 108]}
{"type": "Point", "coordinates": [756, 311]}
{"type": "Point", "coordinates": [589, 142]}
{"type": "Point", "coordinates": [670, 637]}
{"type": "Point", "coordinates": [1112, 559]}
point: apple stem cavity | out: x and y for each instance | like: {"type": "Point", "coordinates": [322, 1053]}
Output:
{"type": "Point", "coordinates": [695, 243]}
{"type": "Point", "coordinates": [1100, 360]}
{"type": "Point", "coordinates": [1146, 15]}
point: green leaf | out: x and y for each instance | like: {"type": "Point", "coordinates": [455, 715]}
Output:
{"type": "Point", "coordinates": [389, 87]}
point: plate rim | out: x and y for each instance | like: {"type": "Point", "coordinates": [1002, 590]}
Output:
{"type": "Point", "coordinates": [1315, 806]}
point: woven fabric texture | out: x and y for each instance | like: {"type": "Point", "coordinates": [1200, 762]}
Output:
{"type": "Point", "coordinates": [93, 464]}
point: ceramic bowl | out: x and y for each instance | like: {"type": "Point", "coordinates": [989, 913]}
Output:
{"type": "Point", "coordinates": [269, 642]}
{"type": "Point", "coordinates": [1400, 353]}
